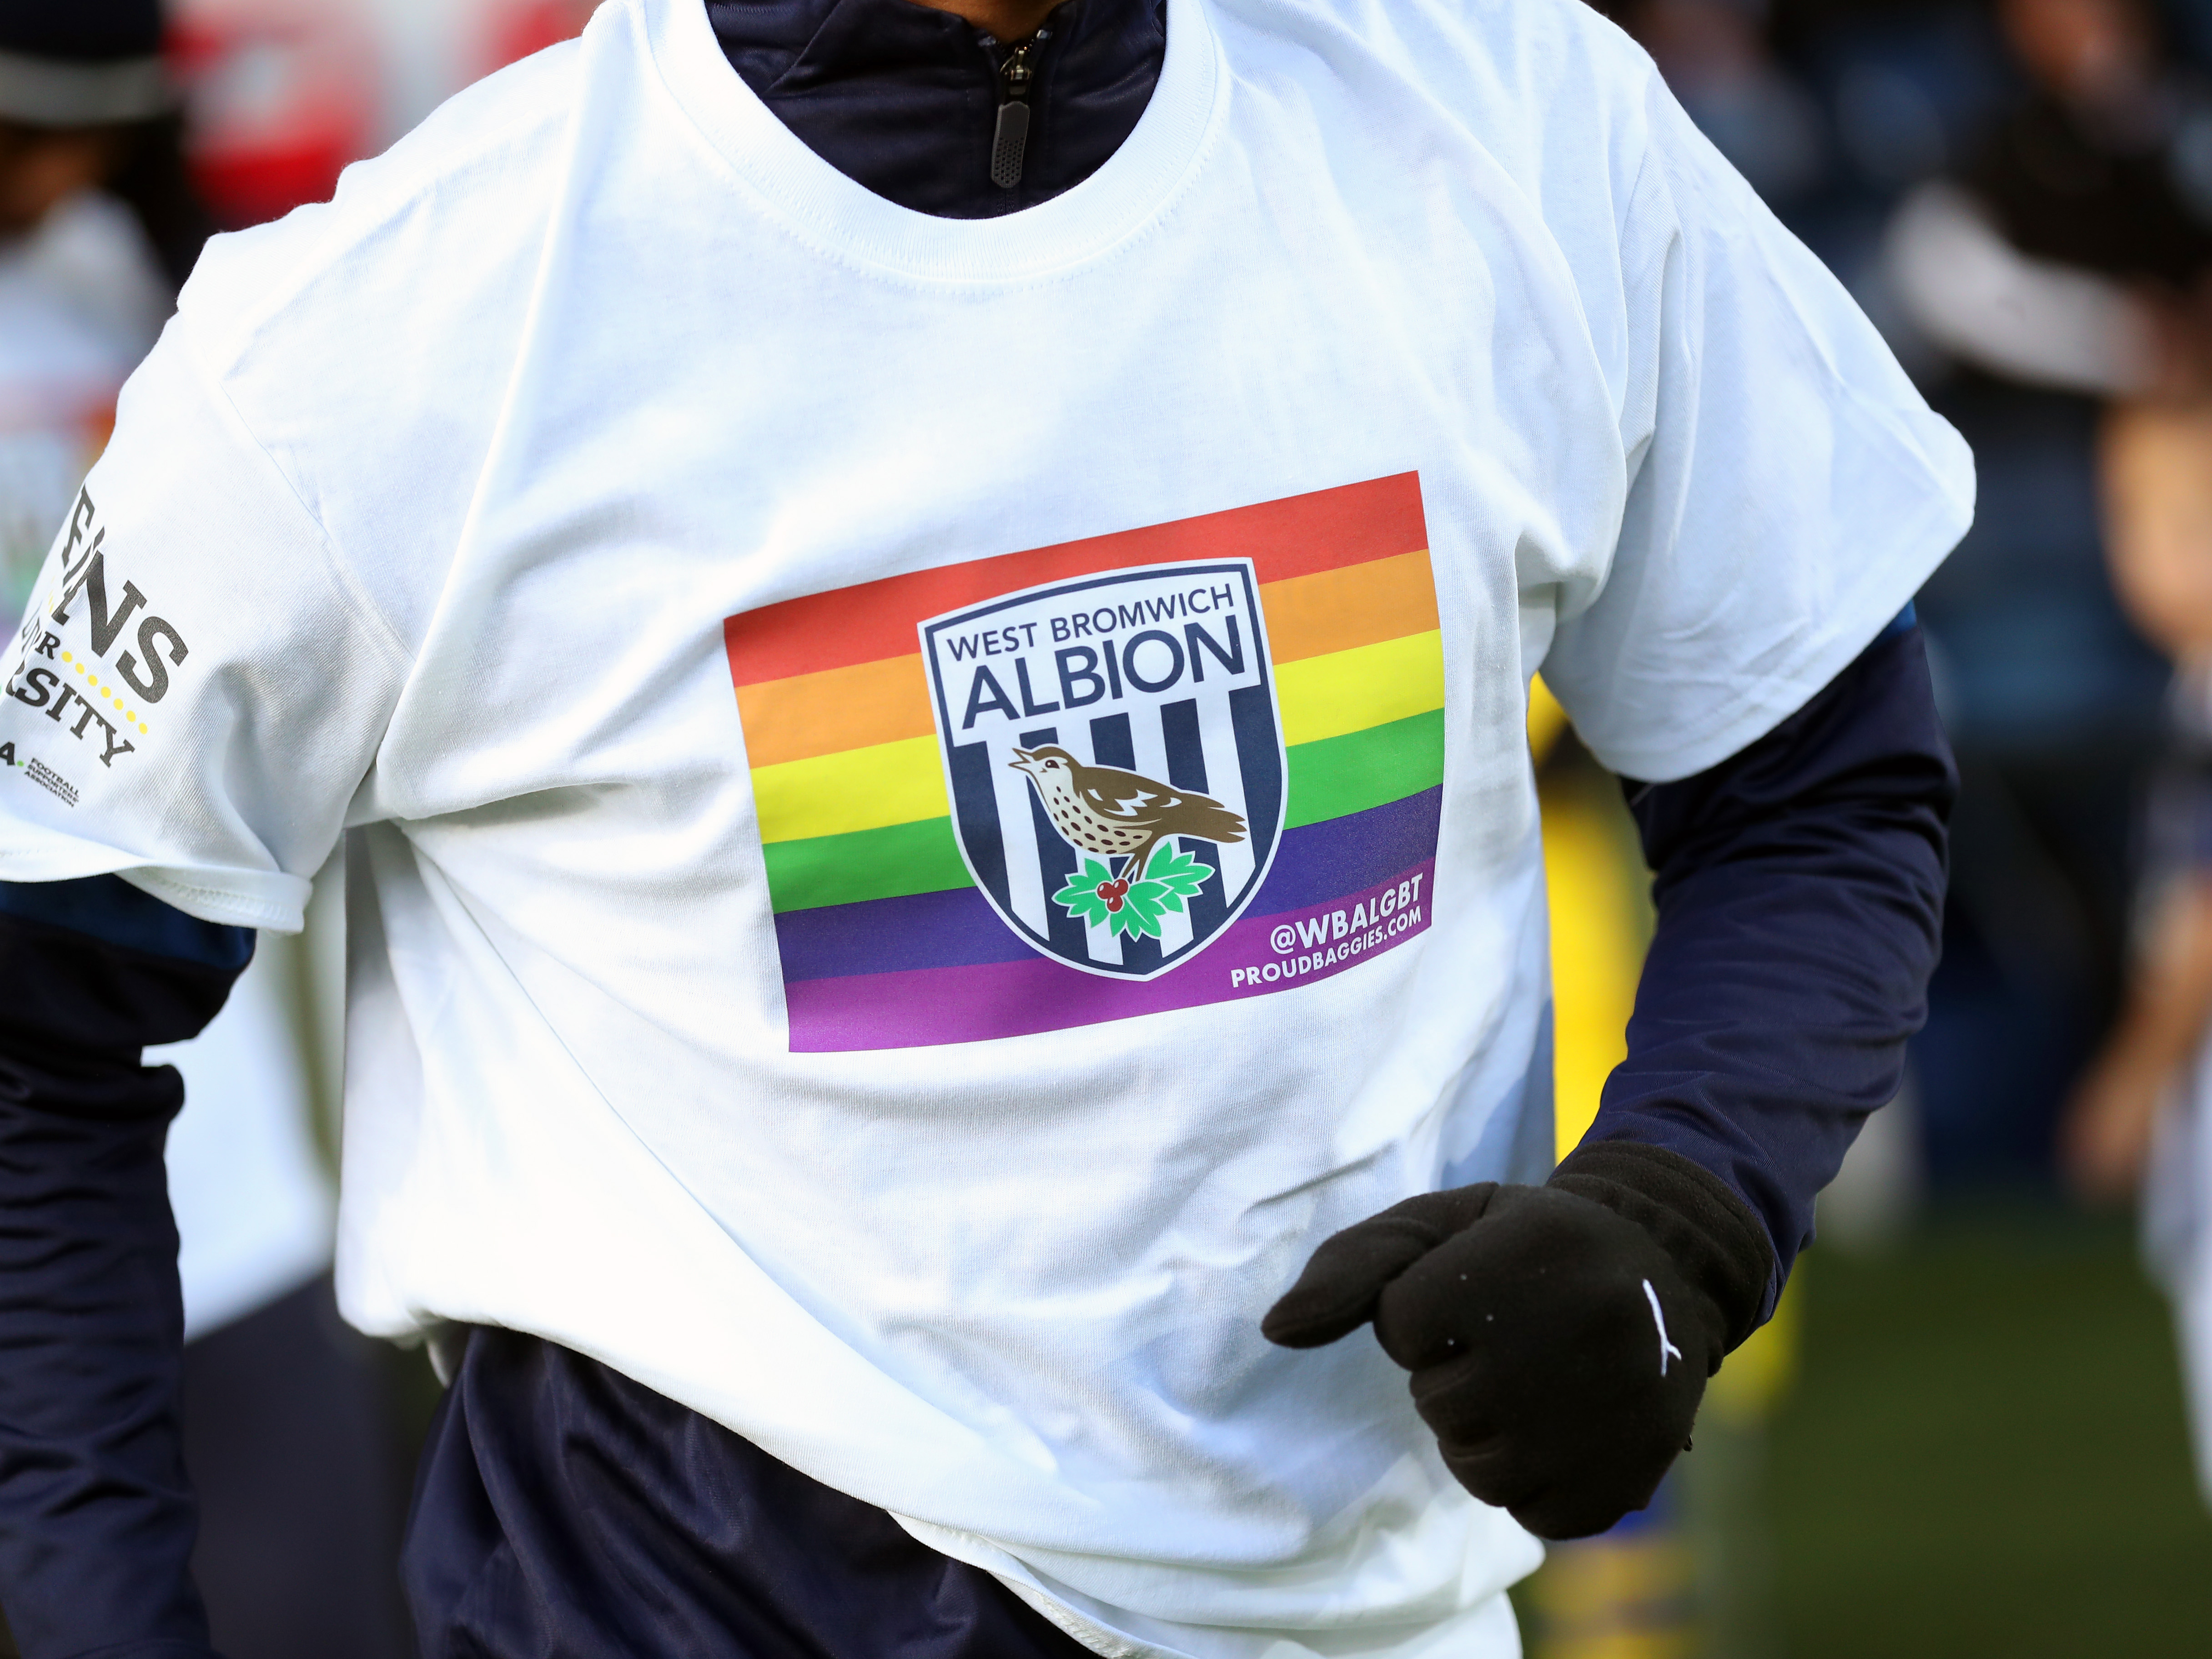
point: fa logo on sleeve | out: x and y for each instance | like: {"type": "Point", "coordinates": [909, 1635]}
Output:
{"type": "Point", "coordinates": [1172, 766]}
{"type": "Point", "coordinates": [1113, 759]}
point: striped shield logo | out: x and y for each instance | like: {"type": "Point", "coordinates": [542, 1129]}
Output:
{"type": "Point", "coordinates": [1114, 759]}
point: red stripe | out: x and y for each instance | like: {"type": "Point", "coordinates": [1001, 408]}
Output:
{"type": "Point", "coordinates": [1294, 537]}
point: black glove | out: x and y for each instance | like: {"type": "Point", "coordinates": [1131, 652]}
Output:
{"type": "Point", "coordinates": [1559, 1337]}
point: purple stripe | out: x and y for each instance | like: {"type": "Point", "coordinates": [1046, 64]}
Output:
{"type": "Point", "coordinates": [991, 1000]}
{"type": "Point", "coordinates": [1326, 860]}
{"type": "Point", "coordinates": [1319, 864]}
{"type": "Point", "coordinates": [955, 929]}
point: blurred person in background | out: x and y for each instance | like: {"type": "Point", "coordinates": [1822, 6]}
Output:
{"type": "Point", "coordinates": [2071, 251]}
{"type": "Point", "coordinates": [2140, 1119]}
{"type": "Point", "coordinates": [2140, 1123]}
{"type": "Point", "coordinates": [2052, 267]}
{"type": "Point", "coordinates": [2070, 261]}
{"type": "Point", "coordinates": [286, 1428]}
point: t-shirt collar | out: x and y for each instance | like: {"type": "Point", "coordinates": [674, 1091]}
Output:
{"type": "Point", "coordinates": [846, 220]}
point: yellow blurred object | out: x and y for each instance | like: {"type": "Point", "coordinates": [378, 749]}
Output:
{"type": "Point", "coordinates": [1745, 1391]}
{"type": "Point", "coordinates": [1629, 1644]}
{"type": "Point", "coordinates": [1617, 1598]}
{"type": "Point", "coordinates": [1547, 720]}
{"type": "Point", "coordinates": [1586, 1572]}
{"type": "Point", "coordinates": [1601, 923]}
{"type": "Point", "coordinates": [1624, 1644]}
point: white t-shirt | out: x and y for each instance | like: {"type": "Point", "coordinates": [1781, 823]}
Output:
{"type": "Point", "coordinates": [606, 512]}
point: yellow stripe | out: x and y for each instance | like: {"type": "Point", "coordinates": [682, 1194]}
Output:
{"type": "Point", "coordinates": [854, 789]}
{"type": "Point", "coordinates": [1350, 690]}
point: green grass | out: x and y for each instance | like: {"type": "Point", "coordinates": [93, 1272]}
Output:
{"type": "Point", "coordinates": [1985, 1454]}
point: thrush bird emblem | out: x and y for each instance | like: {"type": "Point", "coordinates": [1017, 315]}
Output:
{"type": "Point", "coordinates": [1115, 814]}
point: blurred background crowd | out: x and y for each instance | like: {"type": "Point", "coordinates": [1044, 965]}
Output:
{"type": "Point", "coordinates": [1967, 1431]}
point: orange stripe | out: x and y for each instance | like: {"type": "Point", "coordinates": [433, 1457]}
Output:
{"type": "Point", "coordinates": [1344, 609]}
{"type": "Point", "coordinates": [1295, 537]}
{"type": "Point", "coordinates": [855, 707]}
{"type": "Point", "coordinates": [805, 715]}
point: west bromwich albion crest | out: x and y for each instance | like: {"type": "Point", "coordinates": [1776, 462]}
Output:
{"type": "Point", "coordinates": [1114, 759]}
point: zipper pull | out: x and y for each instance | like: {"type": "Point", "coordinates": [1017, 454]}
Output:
{"type": "Point", "coordinates": [1011, 135]}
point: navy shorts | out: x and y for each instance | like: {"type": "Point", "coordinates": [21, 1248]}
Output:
{"type": "Point", "coordinates": [563, 1511]}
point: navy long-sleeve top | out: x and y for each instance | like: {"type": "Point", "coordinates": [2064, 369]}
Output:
{"type": "Point", "coordinates": [1798, 886]}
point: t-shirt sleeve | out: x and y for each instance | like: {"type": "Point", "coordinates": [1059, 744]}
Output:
{"type": "Point", "coordinates": [197, 689]}
{"type": "Point", "coordinates": [1789, 489]}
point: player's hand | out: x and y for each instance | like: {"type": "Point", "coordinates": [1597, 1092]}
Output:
{"type": "Point", "coordinates": [1557, 1350]}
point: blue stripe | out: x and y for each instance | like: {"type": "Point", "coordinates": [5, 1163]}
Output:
{"type": "Point", "coordinates": [1260, 752]}
{"type": "Point", "coordinates": [975, 808]}
{"type": "Point", "coordinates": [1179, 730]}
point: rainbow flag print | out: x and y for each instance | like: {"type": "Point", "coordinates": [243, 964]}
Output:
{"type": "Point", "coordinates": [1150, 770]}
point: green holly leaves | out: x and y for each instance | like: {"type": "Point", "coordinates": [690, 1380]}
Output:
{"type": "Point", "coordinates": [1179, 872]}
{"type": "Point", "coordinates": [1122, 906]}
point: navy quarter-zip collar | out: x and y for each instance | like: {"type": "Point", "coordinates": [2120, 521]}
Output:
{"type": "Point", "coordinates": [905, 100]}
